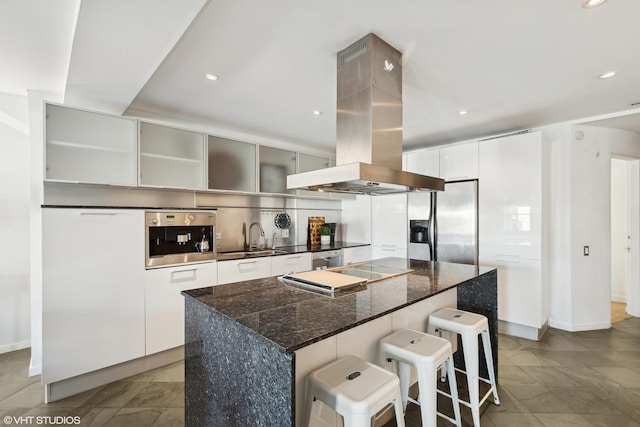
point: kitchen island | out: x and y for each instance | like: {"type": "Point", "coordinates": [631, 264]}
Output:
{"type": "Point", "coordinates": [249, 345]}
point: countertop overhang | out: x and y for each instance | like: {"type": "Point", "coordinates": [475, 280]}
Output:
{"type": "Point", "coordinates": [293, 318]}
{"type": "Point", "coordinates": [285, 250]}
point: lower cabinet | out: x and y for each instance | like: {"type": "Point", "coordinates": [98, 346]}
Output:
{"type": "Point", "coordinates": [165, 305]}
{"type": "Point", "coordinates": [356, 254]}
{"type": "Point", "coordinates": [519, 289]}
{"type": "Point", "coordinates": [385, 251]}
{"type": "Point", "coordinates": [243, 269]}
{"type": "Point", "coordinates": [92, 290]}
{"type": "Point", "coordinates": [293, 263]}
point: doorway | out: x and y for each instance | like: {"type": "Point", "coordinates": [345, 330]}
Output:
{"type": "Point", "coordinates": [625, 265]}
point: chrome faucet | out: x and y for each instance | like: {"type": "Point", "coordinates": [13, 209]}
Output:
{"type": "Point", "coordinates": [261, 233]}
{"type": "Point", "coordinates": [273, 241]}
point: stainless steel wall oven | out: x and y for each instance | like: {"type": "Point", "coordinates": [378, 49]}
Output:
{"type": "Point", "coordinates": [174, 238]}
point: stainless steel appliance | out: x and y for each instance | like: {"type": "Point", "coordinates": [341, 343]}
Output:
{"type": "Point", "coordinates": [327, 259]}
{"type": "Point", "coordinates": [452, 223]}
{"type": "Point", "coordinates": [368, 127]}
{"type": "Point", "coordinates": [174, 238]}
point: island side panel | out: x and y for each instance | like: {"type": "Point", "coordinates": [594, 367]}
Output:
{"type": "Point", "coordinates": [480, 295]}
{"type": "Point", "coordinates": [233, 374]}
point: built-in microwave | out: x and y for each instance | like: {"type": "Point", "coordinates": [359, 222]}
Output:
{"type": "Point", "coordinates": [174, 238]}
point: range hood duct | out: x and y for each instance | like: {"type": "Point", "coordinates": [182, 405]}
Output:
{"type": "Point", "coordinates": [368, 127]}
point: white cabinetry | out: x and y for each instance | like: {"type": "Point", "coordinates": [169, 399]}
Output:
{"type": "Point", "coordinates": [165, 305]}
{"type": "Point", "coordinates": [293, 263]}
{"type": "Point", "coordinates": [238, 270]}
{"type": "Point", "coordinates": [510, 196]}
{"type": "Point", "coordinates": [459, 162]}
{"type": "Point", "coordinates": [425, 162]}
{"type": "Point", "coordinates": [92, 290]}
{"type": "Point", "coordinates": [356, 254]}
{"type": "Point", "coordinates": [171, 157]}
{"type": "Point", "coordinates": [510, 224]}
{"type": "Point", "coordinates": [389, 228]}
{"type": "Point", "coordinates": [87, 147]}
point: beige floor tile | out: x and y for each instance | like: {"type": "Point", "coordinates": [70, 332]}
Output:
{"type": "Point", "coordinates": [27, 397]}
{"type": "Point", "coordinates": [172, 373]}
{"type": "Point", "coordinates": [171, 417]}
{"type": "Point", "coordinates": [513, 420]}
{"type": "Point", "coordinates": [159, 395]}
{"type": "Point", "coordinates": [562, 420]}
{"type": "Point", "coordinates": [623, 376]}
{"type": "Point", "coordinates": [139, 417]}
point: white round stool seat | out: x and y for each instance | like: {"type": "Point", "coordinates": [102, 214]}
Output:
{"type": "Point", "coordinates": [426, 353]}
{"type": "Point", "coordinates": [469, 326]}
{"type": "Point", "coordinates": [355, 389]}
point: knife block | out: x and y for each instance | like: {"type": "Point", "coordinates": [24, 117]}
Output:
{"type": "Point", "coordinates": [313, 230]}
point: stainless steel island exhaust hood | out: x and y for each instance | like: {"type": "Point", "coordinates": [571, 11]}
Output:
{"type": "Point", "coordinates": [368, 127]}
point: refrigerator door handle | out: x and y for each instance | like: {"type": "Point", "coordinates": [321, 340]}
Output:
{"type": "Point", "coordinates": [433, 228]}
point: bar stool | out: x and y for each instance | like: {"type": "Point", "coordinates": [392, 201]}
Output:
{"type": "Point", "coordinates": [469, 326]}
{"type": "Point", "coordinates": [355, 389]}
{"type": "Point", "coordinates": [426, 353]}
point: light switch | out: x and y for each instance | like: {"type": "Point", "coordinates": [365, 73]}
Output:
{"type": "Point", "coordinates": [585, 251]}
{"type": "Point", "coordinates": [285, 233]}
{"type": "Point", "coordinates": [218, 236]}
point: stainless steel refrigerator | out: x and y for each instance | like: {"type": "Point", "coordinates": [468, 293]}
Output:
{"type": "Point", "coordinates": [443, 226]}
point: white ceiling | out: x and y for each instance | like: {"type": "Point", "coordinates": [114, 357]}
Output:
{"type": "Point", "coordinates": [513, 65]}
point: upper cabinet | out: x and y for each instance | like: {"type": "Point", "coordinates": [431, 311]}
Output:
{"type": "Point", "coordinates": [171, 157]}
{"type": "Point", "coordinates": [232, 165]}
{"type": "Point", "coordinates": [308, 163]}
{"type": "Point", "coordinates": [452, 163]}
{"type": "Point", "coordinates": [424, 162]}
{"type": "Point", "coordinates": [87, 147]}
{"type": "Point", "coordinates": [275, 165]}
{"type": "Point", "coordinates": [459, 162]}
{"type": "Point", "coordinates": [510, 219]}
{"type": "Point", "coordinates": [94, 148]}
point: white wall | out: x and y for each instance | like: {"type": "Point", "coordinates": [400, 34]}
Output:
{"type": "Point", "coordinates": [356, 220]}
{"type": "Point", "coordinates": [14, 227]}
{"type": "Point", "coordinates": [580, 216]}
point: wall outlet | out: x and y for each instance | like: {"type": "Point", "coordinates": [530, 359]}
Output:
{"type": "Point", "coordinates": [585, 251]}
{"type": "Point", "coordinates": [285, 233]}
{"type": "Point", "coordinates": [218, 236]}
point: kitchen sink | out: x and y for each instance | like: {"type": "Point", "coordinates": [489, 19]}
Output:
{"type": "Point", "coordinates": [250, 254]}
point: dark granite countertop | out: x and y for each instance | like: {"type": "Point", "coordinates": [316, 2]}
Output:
{"type": "Point", "coordinates": [293, 318]}
{"type": "Point", "coordinates": [286, 250]}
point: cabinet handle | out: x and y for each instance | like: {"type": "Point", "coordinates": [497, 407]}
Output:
{"type": "Point", "coordinates": [98, 213]}
{"type": "Point", "coordinates": [508, 255]}
{"type": "Point", "coordinates": [388, 246]}
{"type": "Point", "coordinates": [183, 275]}
{"type": "Point", "coordinates": [247, 262]}
{"type": "Point", "coordinates": [511, 260]}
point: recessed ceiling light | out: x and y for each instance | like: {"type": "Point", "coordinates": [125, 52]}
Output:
{"type": "Point", "coordinates": [607, 75]}
{"type": "Point", "coordinates": [592, 3]}
{"type": "Point", "coordinates": [317, 113]}
{"type": "Point", "coordinates": [463, 112]}
{"type": "Point", "coordinates": [210, 76]}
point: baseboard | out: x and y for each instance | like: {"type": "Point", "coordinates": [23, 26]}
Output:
{"type": "Point", "coordinates": [70, 386]}
{"type": "Point", "coordinates": [35, 370]}
{"type": "Point", "coordinates": [573, 327]}
{"type": "Point", "coordinates": [522, 331]}
{"type": "Point", "coordinates": [15, 346]}
{"type": "Point", "coordinates": [619, 298]}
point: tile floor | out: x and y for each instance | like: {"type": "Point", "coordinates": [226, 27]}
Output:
{"type": "Point", "coordinates": [566, 379]}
